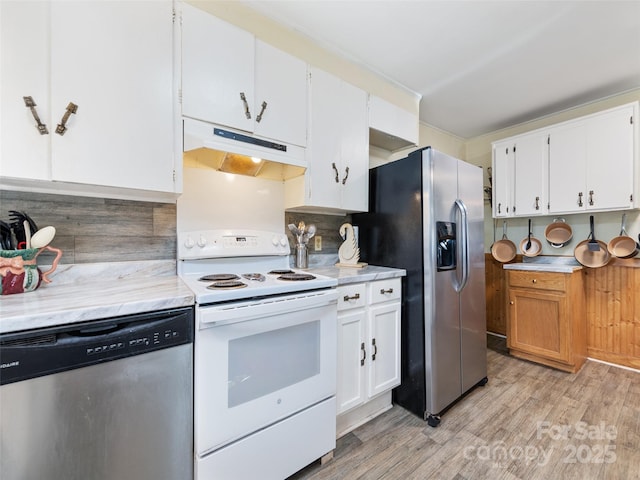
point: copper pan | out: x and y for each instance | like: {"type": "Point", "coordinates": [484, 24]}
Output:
{"type": "Point", "coordinates": [623, 246]}
{"type": "Point", "coordinates": [504, 250]}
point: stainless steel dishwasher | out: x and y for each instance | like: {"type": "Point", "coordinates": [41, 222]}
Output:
{"type": "Point", "coordinates": [102, 400]}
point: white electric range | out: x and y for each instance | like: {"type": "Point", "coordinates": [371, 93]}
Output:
{"type": "Point", "coordinates": [265, 355]}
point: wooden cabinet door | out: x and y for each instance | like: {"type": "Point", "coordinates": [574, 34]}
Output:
{"type": "Point", "coordinates": [502, 170]}
{"type": "Point", "coordinates": [384, 348]}
{"type": "Point", "coordinates": [352, 361]}
{"type": "Point", "coordinates": [538, 324]}
{"type": "Point", "coordinates": [530, 175]}
{"type": "Point", "coordinates": [24, 71]}
{"type": "Point", "coordinates": [281, 83]}
{"type": "Point", "coordinates": [217, 67]}
{"type": "Point", "coordinates": [114, 60]}
{"type": "Point", "coordinates": [610, 160]}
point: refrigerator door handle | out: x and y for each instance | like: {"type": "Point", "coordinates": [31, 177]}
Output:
{"type": "Point", "coordinates": [464, 236]}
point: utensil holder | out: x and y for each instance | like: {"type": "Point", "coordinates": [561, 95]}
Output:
{"type": "Point", "coordinates": [302, 256]}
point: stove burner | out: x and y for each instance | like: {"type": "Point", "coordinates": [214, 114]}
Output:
{"type": "Point", "coordinates": [227, 285]}
{"type": "Point", "coordinates": [258, 277]}
{"type": "Point", "coordinates": [296, 276]}
{"type": "Point", "coordinates": [280, 272]}
{"type": "Point", "coordinates": [216, 277]}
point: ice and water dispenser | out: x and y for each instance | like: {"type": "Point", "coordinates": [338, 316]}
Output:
{"type": "Point", "coordinates": [446, 258]}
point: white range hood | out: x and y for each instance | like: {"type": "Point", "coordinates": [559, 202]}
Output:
{"type": "Point", "coordinates": [224, 149]}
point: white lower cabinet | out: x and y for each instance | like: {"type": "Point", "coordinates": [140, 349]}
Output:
{"type": "Point", "coordinates": [368, 350]}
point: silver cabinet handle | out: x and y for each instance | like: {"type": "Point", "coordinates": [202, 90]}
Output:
{"type": "Point", "coordinates": [42, 128]}
{"type": "Point", "coordinates": [364, 354]}
{"type": "Point", "coordinates": [259, 117]}
{"type": "Point", "coordinates": [499, 207]}
{"type": "Point", "coordinates": [383, 291]}
{"type": "Point", "coordinates": [580, 199]}
{"type": "Point", "coordinates": [375, 350]}
{"type": "Point", "coordinates": [537, 203]}
{"type": "Point", "coordinates": [335, 169]}
{"type": "Point", "coordinates": [346, 175]}
{"type": "Point", "coordinates": [247, 113]}
{"type": "Point", "coordinates": [591, 197]}
{"type": "Point", "coordinates": [62, 126]}
{"type": "Point", "coordinates": [347, 297]}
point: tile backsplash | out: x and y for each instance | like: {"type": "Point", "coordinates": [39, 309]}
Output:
{"type": "Point", "coordinates": [94, 230]}
{"type": "Point", "coordinates": [90, 230]}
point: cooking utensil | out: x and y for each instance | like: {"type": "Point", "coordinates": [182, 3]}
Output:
{"type": "Point", "coordinates": [6, 237]}
{"type": "Point", "coordinates": [558, 233]}
{"type": "Point", "coordinates": [528, 246]}
{"type": "Point", "coordinates": [27, 234]}
{"type": "Point", "coordinates": [43, 237]}
{"type": "Point", "coordinates": [623, 246]}
{"type": "Point", "coordinates": [20, 217]}
{"type": "Point", "coordinates": [504, 250]}
{"type": "Point", "coordinates": [593, 244]}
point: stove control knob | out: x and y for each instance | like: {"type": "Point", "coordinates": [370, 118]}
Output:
{"type": "Point", "coordinates": [189, 243]}
{"type": "Point", "coordinates": [275, 241]}
{"type": "Point", "coordinates": [202, 241]}
{"type": "Point", "coordinates": [283, 241]}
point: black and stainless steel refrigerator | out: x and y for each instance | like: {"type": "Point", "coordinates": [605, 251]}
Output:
{"type": "Point", "coordinates": [426, 214]}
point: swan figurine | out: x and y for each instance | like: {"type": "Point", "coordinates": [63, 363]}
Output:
{"type": "Point", "coordinates": [348, 253]}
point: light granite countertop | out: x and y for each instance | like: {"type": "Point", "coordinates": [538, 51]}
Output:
{"type": "Point", "coordinates": [348, 275]}
{"type": "Point", "coordinates": [82, 293]}
{"type": "Point", "coordinates": [543, 267]}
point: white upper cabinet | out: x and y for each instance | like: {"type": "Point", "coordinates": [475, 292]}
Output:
{"type": "Point", "coordinates": [391, 127]}
{"type": "Point", "coordinates": [337, 176]}
{"type": "Point", "coordinates": [503, 170]}
{"type": "Point", "coordinates": [592, 162]}
{"type": "Point", "coordinates": [587, 164]}
{"type": "Point", "coordinates": [218, 62]}
{"type": "Point", "coordinates": [107, 98]}
{"type": "Point", "coordinates": [232, 79]}
{"type": "Point", "coordinates": [530, 174]}
{"type": "Point", "coordinates": [24, 72]}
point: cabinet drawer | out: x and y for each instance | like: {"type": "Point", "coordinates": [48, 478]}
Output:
{"type": "Point", "coordinates": [351, 296]}
{"type": "Point", "coordinates": [385, 290]}
{"type": "Point", "coordinates": [538, 280]}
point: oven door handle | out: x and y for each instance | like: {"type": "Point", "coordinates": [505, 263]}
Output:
{"type": "Point", "coordinates": [243, 311]}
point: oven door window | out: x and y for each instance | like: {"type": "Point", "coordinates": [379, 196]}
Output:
{"type": "Point", "coordinates": [251, 374]}
{"type": "Point", "coordinates": [266, 362]}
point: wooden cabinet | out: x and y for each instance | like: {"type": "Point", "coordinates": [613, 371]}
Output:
{"type": "Point", "coordinates": [66, 53]}
{"type": "Point", "coordinates": [587, 164]}
{"type": "Point", "coordinates": [337, 177]}
{"type": "Point", "coordinates": [546, 320]}
{"type": "Point", "coordinates": [368, 349]}
{"type": "Point", "coordinates": [231, 78]}
{"type": "Point", "coordinates": [591, 162]}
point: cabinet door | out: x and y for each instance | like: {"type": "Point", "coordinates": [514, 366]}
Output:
{"type": "Point", "coordinates": [281, 83]}
{"type": "Point", "coordinates": [217, 67]}
{"type": "Point", "coordinates": [114, 60]}
{"type": "Point", "coordinates": [567, 168]}
{"type": "Point", "coordinates": [384, 348]}
{"type": "Point", "coordinates": [502, 171]}
{"type": "Point", "coordinates": [352, 359]}
{"type": "Point", "coordinates": [530, 161]}
{"type": "Point", "coordinates": [610, 160]}
{"type": "Point", "coordinates": [539, 324]}
{"type": "Point", "coordinates": [354, 164]}
{"type": "Point", "coordinates": [325, 141]}
{"type": "Point", "coordinates": [24, 71]}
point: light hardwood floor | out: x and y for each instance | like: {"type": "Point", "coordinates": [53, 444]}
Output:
{"type": "Point", "coordinates": [528, 422]}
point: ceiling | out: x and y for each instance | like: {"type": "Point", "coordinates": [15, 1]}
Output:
{"type": "Point", "coordinates": [480, 65]}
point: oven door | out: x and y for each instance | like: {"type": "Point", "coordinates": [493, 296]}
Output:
{"type": "Point", "coordinates": [260, 361]}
